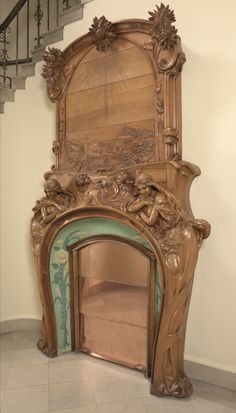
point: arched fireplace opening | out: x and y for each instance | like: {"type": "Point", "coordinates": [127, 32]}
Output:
{"type": "Point", "coordinates": [112, 284]}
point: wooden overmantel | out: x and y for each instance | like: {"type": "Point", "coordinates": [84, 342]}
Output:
{"type": "Point", "coordinates": [118, 156]}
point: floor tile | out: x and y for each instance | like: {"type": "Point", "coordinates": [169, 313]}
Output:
{"type": "Point", "coordinates": [28, 356]}
{"type": "Point", "coordinates": [98, 371]}
{"type": "Point", "coordinates": [199, 405]}
{"type": "Point", "coordinates": [194, 404]}
{"type": "Point", "coordinates": [127, 406]}
{"type": "Point", "coordinates": [28, 375]}
{"type": "Point", "coordinates": [68, 371]}
{"type": "Point", "coordinates": [113, 388]}
{"type": "Point", "coordinates": [6, 357]}
{"type": "Point", "coordinates": [216, 394]}
{"type": "Point", "coordinates": [27, 400]}
{"type": "Point", "coordinates": [83, 384]}
{"type": "Point", "coordinates": [70, 395]}
{"type": "Point", "coordinates": [8, 341]}
{"type": "Point", "coordinates": [83, 409]}
{"type": "Point", "coordinates": [142, 385]}
{"type": "Point", "coordinates": [67, 356]}
{"type": "Point", "coordinates": [155, 404]}
{"type": "Point", "coordinates": [4, 374]}
{"type": "Point", "coordinates": [19, 340]}
{"type": "Point", "coordinates": [1, 398]}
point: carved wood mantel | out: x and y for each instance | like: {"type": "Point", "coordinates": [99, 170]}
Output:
{"type": "Point", "coordinates": [119, 157]}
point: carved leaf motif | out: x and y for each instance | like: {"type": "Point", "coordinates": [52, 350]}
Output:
{"type": "Point", "coordinates": [163, 32]}
{"type": "Point", "coordinates": [55, 72]}
{"type": "Point", "coordinates": [52, 71]}
{"type": "Point", "coordinates": [178, 387]}
{"type": "Point", "coordinates": [103, 33]}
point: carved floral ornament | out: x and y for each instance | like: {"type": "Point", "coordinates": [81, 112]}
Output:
{"type": "Point", "coordinates": [162, 31]}
{"type": "Point", "coordinates": [102, 32]}
{"type": "Point", "coordinates": [55, 72]}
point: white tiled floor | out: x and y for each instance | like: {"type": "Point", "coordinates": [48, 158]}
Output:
{"type": "Point", "coordinates": [31, 383]}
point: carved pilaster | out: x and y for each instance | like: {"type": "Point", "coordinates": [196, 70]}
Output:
{"type": "Point", "coordinates": [168, 58]}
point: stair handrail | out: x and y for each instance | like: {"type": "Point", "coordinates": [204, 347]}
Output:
{"type": "Point", "coordinates": [11, 16]}
{"type": "Point", "coordinates": [42, 10]}
{"type": "Point", "coordinates": [46, 16]}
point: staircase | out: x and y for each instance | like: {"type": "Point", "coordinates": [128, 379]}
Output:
{"type": "Point", "coordinates": [24, 34]}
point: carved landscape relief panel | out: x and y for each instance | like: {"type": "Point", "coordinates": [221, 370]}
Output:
{"type": "Point", "coordinates": [110, 103]}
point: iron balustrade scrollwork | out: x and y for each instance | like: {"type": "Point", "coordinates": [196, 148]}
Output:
{"type": "Point", "coordinates": [22, 31]}
{"type": "Point", "coordinates": [67, 5]}
{"type": "Point", "coordinates": [38, 15]}
{"type": "Point", "coordinates": [4, 59]}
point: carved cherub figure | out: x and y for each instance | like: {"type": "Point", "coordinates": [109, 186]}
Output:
{"type": "Point", "coordinates": [154, 205]}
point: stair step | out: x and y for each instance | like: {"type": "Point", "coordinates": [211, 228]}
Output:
{"type": "Point", "coordinates": [37, 54]}
{"type": "Point", "coordinates": [53, 36]}
{"type": "Point", "coordinates": [84, 1]}
{"type": "Point", "coordinates": [7, 95]}
{"type": "Point", "coordinates": [28, 69]}
{"type": "Point", "coordinates": [71, 15]}
{"type": "Point", "coordinates": [18, 82]}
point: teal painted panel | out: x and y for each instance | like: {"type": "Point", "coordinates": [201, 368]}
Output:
{"type": "Point", "coordinates": [59, 269]}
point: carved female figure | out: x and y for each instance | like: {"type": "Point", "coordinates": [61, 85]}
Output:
{"type": "Point", "coordinates": [154, 204]}
{"type": "Point", "coordinates": [56, 201]}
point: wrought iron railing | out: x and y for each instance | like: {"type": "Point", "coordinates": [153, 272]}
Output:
{"type": "Point", "coordinates": [22, 31]}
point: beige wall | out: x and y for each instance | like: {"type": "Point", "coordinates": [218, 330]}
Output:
{"type": "Point", "coordinates": [208, 31]}
{"type": "Point", "coordinates": [5, 7]}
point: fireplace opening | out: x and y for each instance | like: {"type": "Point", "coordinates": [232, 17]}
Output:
{"type": "Point", "coordinates": [113, 301]}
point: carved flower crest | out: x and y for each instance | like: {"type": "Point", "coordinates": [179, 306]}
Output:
{"type": "Point", "coordinates": [53, 65]}
{"type": "Point", "coordinates": [163, 31]}
{"type": "Point", "coordinates": [103, 33]}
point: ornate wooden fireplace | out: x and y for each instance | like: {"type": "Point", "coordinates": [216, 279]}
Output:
{"type": "Point", "coordinates": [114, 239]}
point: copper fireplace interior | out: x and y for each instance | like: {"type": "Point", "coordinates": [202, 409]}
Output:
{"type": "Point", "coordinates": [114, 312]}
{"type": "Point", "coordinates": [115, 221]}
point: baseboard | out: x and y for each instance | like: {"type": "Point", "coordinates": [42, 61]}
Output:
{"type": "Point", "coordinates": [20, 324]}
{"type": "Point", "coordinates": [210, 375]}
